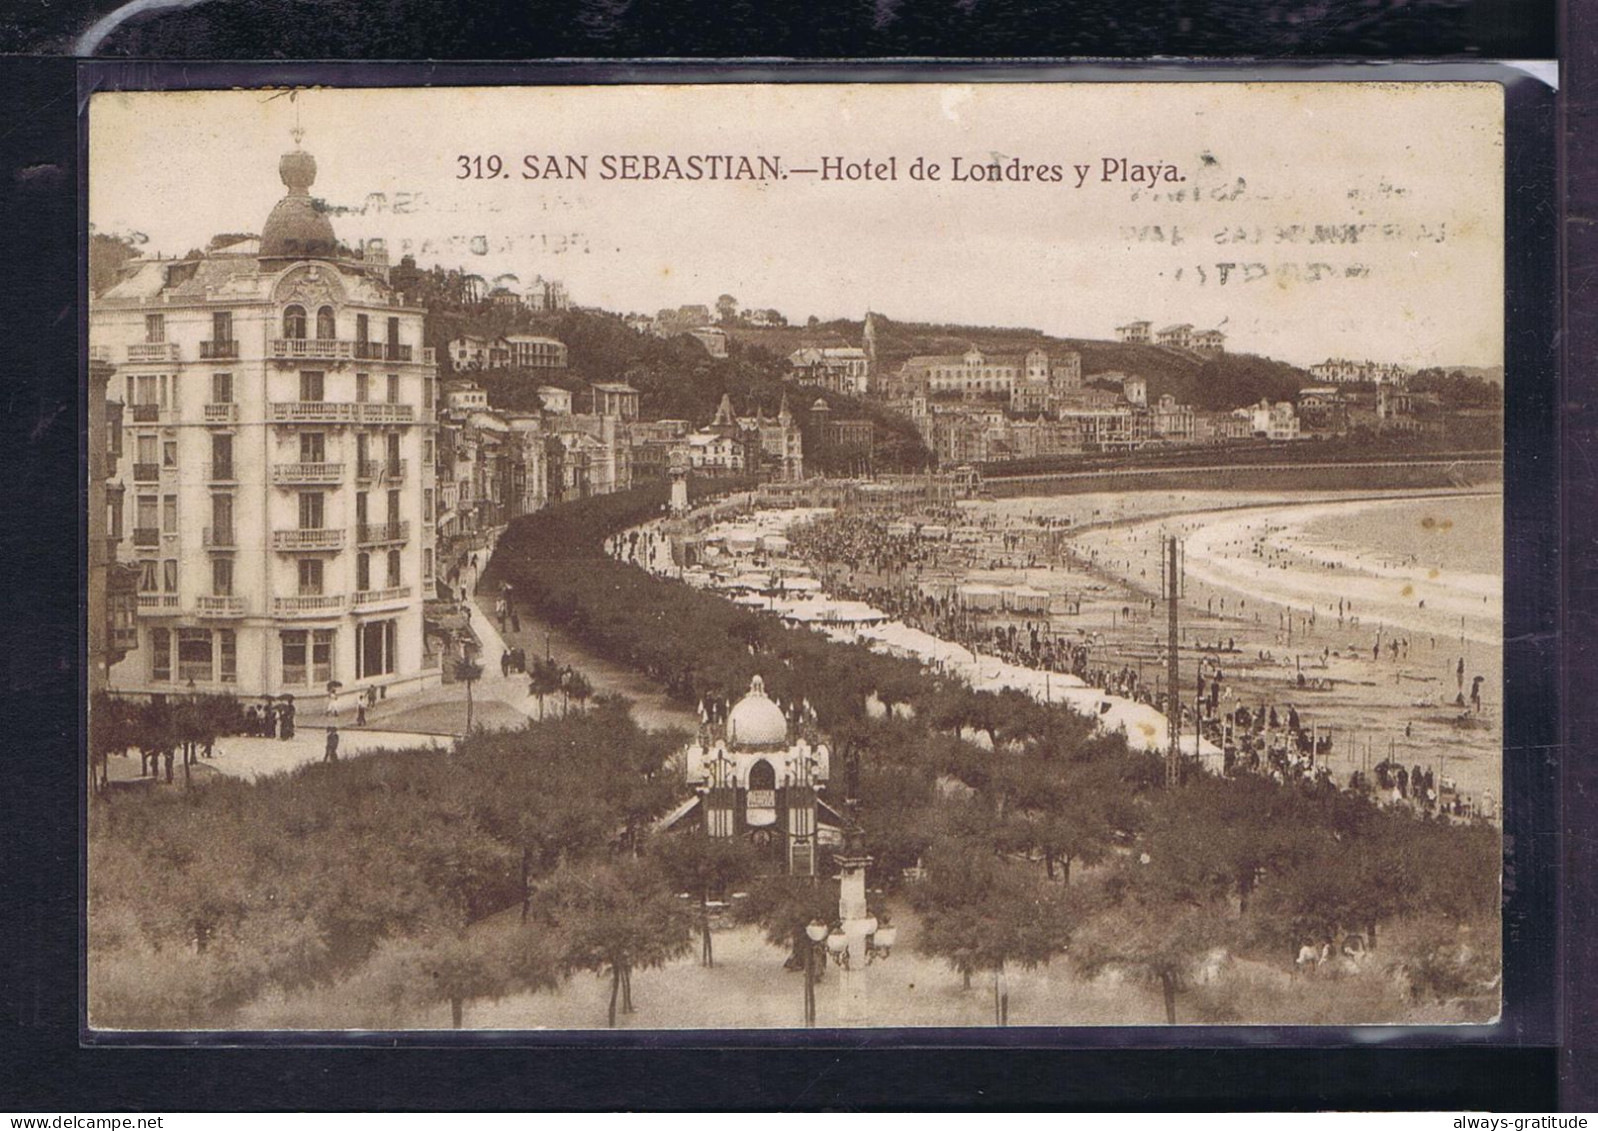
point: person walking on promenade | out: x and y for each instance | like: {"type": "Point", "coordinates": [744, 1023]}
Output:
{"type": "Point", "coordinates": [332, 745]}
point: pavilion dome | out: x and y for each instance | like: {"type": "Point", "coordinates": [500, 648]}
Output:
{"type": "Point", "coordinates": [297, 227]}
{"type": "Point", "coordinates": [755, 720]}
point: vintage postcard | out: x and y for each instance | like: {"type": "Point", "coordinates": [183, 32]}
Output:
{"type": "Point", "coordinates": [759, 556]}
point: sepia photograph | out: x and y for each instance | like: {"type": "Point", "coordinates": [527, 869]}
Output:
{"type": "Point", "coordinates": [750, 557]}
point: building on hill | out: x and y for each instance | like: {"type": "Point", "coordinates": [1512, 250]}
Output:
{"type": "Point", "coordinates": [1210, 342]}
{"type": "Point", "coordinates": [1342, 371]}
{"type": "Point", "coordinates": [1135, 390]}
{"type": "Point", "coordinates": [838, 369]}
{"type": "Point", "coordinates": [469, 351]}
{"type": "Point", "coordinates": [1323, 410]}
{"type": "Point", "coordinates": [1134, 333]}
{"type": "Point", "coordinates": [460, 395]}
{"type": "Point", "coordinates": [639, 323]}
{"type": "Point", "coordinates": [280, 410]}
{"type": "Point", "coordinates": [547, 296]}
{"type": "Point", "coordinates": [616, 399]}
{"type": "Point", "coordinates": [975, 375]}
{"type": "Point", "coordinates": [714, 340]}
{"type": "Point", "coordinates": [555, 400]}
{"type": "Point", "coordinates": [760, 775]}
{"type": "Point", "coordinates": [1179, 336]}
{"type": "Point", "coordinates": [532, 351]}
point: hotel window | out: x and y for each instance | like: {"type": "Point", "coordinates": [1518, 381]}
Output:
{"type": "Point", "coordinates": [363, 572]}
{"type": "Point", "coordinates": [393, 509]}
{"type": "Point", "coordinates": [427, 504]}
{"type": "Point", "coordinates": [293, 648]}
{"type": "Point", "coordinates": [312, 511]}
{"type": "Point", "coordinates": [294, 322]}
{"type": "Point", "coordinates": [312, 387]}
{"type": "Point", "coordinates": [313, 447]}
{"type": "Point", "coordinates": [146, 513]}
{"type": "Point", "coordinates": [310, 577]}
{"type": "Point", "coordinates": [194, 655]}
{"type": "Point", "coordinates": [363, 387]}
{"type": "Point", "coordinates": [169, 514]}
{"type": "Point", "coordinates": [321, 655]}
{"type": "Point", "coordinates": [227, 655]}
{"type": "Point", "coordinates": [169, 575]}
{"type": "Point", "coordinates": [221, 520]}
{"type": "Point", "coordinates": [161, 654]}
{"type": "Point", "coordinates": [221, 388]}
{"type": "Point", "coordinates": [149, 576]}
{"type": "Point", "coordinates": [363, 329]}
{"type": "Point", "coordinates": [154, 328]}
{"type": "Point", "coordinates": [145, 390]}
{"type": "Point", "coordinates": [427, 565]}
{"type": "Point", "coordinates": [374, 649]}
{"type": "Point", "coordinates": [221, 325]}
{"type": "Point", "coordinates": [221, 577]}
{"type": "Point", "coordinates": [427, 453]}
{"type": "Point", "coordinates": [393, 453]}
{"type": "Point", "coordinates": [326, 330]}
{"type": "Point", "coordinates": [169, 453]}
{"type": "Point", "coordinates": [393, 334]}
{"type": "Point", "coordinates": [393, 568]}
{"type": "Point", "coordinates": [360, 508]}
{"type": "Point", "coordinates": [393, 388]}
{"type": "Point", "coordinates": [222, 455]}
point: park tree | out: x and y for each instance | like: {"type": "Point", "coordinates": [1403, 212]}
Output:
{"type": "Point", "coordinates": [542, 680]}
{"type": "Point", "coordinates": [468, 671]}
{"type": "Point", "coordinates": [703, 867]}
{"type": "Point", "coordinates": [982, 913]}
{"type": "Point", "coordinates": [615, 918]}
{"type": "Point", "coordinates": [726, 309]}
{"type": "Point", "coordinates": [783, 906]}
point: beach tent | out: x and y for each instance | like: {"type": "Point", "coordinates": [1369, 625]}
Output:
{"type": "Point", "coordinates": [934, 530]}
{"type": "Point", "coordinates": [774, 544]}
{"type": "Point", "coordinates": [900, 529]}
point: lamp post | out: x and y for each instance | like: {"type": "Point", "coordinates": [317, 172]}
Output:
{"type": "Point", "coordinates": [815, 932]}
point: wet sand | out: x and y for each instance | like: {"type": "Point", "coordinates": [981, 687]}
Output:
{"type": "Point", "coordinates": [1267, 574]}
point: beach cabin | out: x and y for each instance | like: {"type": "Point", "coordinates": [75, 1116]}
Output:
{"type": "Point", "coordinates": [1026, 599]}
{"type": "Point", "coordinates": [979, 598]}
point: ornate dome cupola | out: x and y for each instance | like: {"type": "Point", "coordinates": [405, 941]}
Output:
{"type": "Point", "coordinates": [297, 228]}
{"type": "Point", "coordinates": [756, 721]}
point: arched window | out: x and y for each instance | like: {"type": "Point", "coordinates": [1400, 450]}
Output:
{"type": "Point", "coordinates": [325, 330]}
{"type": "Point", "coordinates": [294, 322]}
{"type": "Point", "coordinates": [762, 775]}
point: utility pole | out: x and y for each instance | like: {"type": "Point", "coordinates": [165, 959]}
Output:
{"type": "Point", "coordinates": [1171, 590]}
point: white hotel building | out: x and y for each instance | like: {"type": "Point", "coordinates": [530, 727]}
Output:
{"type": "Point", "coordinates": [279, 499]}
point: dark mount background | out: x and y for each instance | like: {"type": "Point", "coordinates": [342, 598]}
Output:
{"type": "Point", "coordinates": [45, 1070]}
{"type": "Point", "coordinates": [803, 29]}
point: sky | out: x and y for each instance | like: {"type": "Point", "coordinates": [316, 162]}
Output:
{"type": "Point", "coordinates": [1310, 220]}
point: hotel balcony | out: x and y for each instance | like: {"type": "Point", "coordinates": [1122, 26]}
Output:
{"type": "Point", "coordinates": [310, 349]}
{"type": "Point", "coordinates": [223, 473]}
{"type": "Point", "coordinates": [163, 604]}
{"type": "Point", "coordinates": [220, 538]}
{"type": "Point", "coordinates": [382, 470]}
{"type": "Point", "coordinates": [324, 538]}
{"type": "Point", "coordinates": [221, 414]}
{"type": "Point", "coordinates": [218, 351]}
{"type": "Point", "coordinates": [382, 351]}
{"type": "Point", "coordinates": [387, 413]}
{"type": "Point", "coordinates": [219, 606]}
{"type": "Point", "coordinates": [145, 537]}
{"type": "Point", "coordinates": [146, 472]}
{"type": "Point", "coordinates": [377, 533]}
{"type": "Point", "coordinates": [315, 412]}
{"type": "Point", "coordinates": [141, 352]}
{"type": "Point", "coordinates": [145, 413]}
{"type": "Point", "coordinates": [320, 605]}
{"type": "Point", "coordinates": [306, 474]}
{"type": "Point", "coordinates": [99, 353]}
{"type": "Point", "coordinates": [369, 598]}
